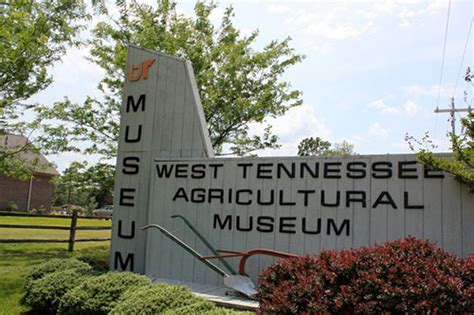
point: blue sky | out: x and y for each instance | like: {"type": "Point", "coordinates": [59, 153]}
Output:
{"type": "Point", "coordinates": [371, 72]}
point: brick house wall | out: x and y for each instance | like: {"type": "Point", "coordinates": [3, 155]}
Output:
{"type": "Point", "coordinates": [12, 189]}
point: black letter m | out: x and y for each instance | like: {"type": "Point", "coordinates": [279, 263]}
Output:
{"type": "Point", "coordinates": [131, 102]}
{"type": "Point", "coordinates": [123, 265]}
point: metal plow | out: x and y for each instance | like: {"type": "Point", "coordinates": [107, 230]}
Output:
{"type": "Point", "coordinates": [239, 282]}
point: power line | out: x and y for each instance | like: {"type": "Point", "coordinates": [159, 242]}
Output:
{"type": "Point", "coordinates": [442, 61]}
{"type": "Point", "coordinates": [444, 53]}
{"type": "Point", "coordinates": [452, 111]}
{"type": "Point", "coordinates": [462, 59]}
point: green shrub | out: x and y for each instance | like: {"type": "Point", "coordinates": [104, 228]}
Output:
{"type": "Point", "coordinates": [44, 294]}
{"type": "Point", "coordinates": [204, 308]}
{"type": "Point", "coordinates": [198, 307]}
{"type": "Point", "coordinates": [157, 299]}
{"type": "Point", "coordinates": [99, 264]}
{"type": "Point", "coordinates": [12, 206]}
{"type": "Point", "coordinates": [99, 295]}
{"type": "Point", "coordinates": [54, 265]}
{"type": "Point", "coordinates": [225, 311]}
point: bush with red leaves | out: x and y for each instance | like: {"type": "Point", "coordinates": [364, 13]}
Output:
{"type": "Point", "coordinates": [399, 277]}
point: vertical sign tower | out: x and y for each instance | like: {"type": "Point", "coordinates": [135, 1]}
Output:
{"type": "Point", "coordinates": [161, 117]}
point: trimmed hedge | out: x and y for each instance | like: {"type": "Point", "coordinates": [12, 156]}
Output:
{"type": "Point", "coordinates": [44, 294]}
{"type": "Point", "coordinates": [158, 299]}
{"type": "Point", "coordinates": [168, 300]}
{"type": "Point", "coordinates": [54, 265]}
{"type": "Point", "coordinates": [100, 294]}
{"type": "Point", "coordinates": [404, 276]}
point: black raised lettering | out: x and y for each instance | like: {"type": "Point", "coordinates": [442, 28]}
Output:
{"type": "Point", "coordinates": [356, 196]}
{"type": "Point", "coordinates": [356, 170]}
{"type": "Point", "coordinates": [327, 204]}
{"type": "Point", "coordinates": [237, 197]}
{"type": "Point", "coordinates": [164, 170]}
{"type": "Point", "coordinates": [198, 171]}
{"type": "Point", "coordinates": [289, 173]}
{"type": "Point", "coordinates": [181, 171]}
{"type": "Point", "coordinates": [222, 225]}
{"type": "Point", "coordinates": [244, 166]}
{"type": "Point", "coordinates": [118, 260]}
{"type": "Point", "coordinates": [265, 224]}
{"type": "Point", "coordinates": [216, 193]}
{"type": "Point", "coordinates": [198, 195]}
{"type": "Point", "coordinates": [137, 138]}
{"type": "Point", "coordinates": [407, 204]}
{"type": "Point", "coordinates": [127, 199]}
{"type": "Point", "coordinates": [306, 193]}
{"type": "Point", "coordinates": [122, 235]}
{"type": "Point", "coordinates": [263, 171]}
{"type": "Point", "coordinates": [316, 231]}
{"type": "Point", "coordinates": [433, 173]}
{"type": "Point", "coordinates": [384, 199]}
{"type": "Point", "coordinates": [286, 225]}
{"type": "Point", "coordinates": [313, 173]}
{"type": "Point", "coordinates": [331, 224]}
{"type": "Point", "coordinates": [131, 103]}
{"type": "Point", "coordinates": [129, 167]}
{"type": "Point", "coordinates": [180, 193]}
{"type": "Point", "coordinates": [407, 172]}
{"type": "Point", "coordinates": [382, 169]}
{"type": "Point", "coordinates": [215, 167]}
{"type": "Point", "coordinates": [283, 202]}
{"type": "Point", "coordinates": [245, 229]}
{"type": "Point", "coordinates": [330, 172]}
{"type": "Point", "coordinates": [260, 200]}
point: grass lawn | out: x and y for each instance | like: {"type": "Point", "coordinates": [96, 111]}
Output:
{"type": "Point", "coordinates": [16, 259]}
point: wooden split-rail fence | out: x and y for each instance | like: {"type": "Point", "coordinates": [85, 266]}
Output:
{"type": "Point", "coordinates": [72, 229]}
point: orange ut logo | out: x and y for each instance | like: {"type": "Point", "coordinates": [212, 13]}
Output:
{"type": "Point", "coordinates": [136, 71]}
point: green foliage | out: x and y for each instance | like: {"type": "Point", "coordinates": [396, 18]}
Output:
{"type": "Point", "coordinates": [45, 293]}
{"type": "Point", "coordinates": [98, 264]}
{"type": "Point", "coordinates": [318, 147]}
{"type": "Point", "coordinates": [54, 265]}
{"type": "Point", "coordinates": [460, 163]}
{"type": "Point", "coordinates": [313, 147]}
{"type": "Point", "coordinates": [237, 84]}
{"type": "Point", "coordinates": [158, 299]}
{"type": "Point", "coordinates": [85, 186]}
{"type": "Point", "coordinates": [12, 206]}
{"type": "Point", "coordinates": [195, 307]}
{"type": "Point", "coordinates": [34, 35]}
{"type": "Point", "coordinates": [100, 294]}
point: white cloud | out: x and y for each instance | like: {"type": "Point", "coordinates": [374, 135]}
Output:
{"type": "Point", "coordinates": [336, 20]}
{"type": "Point", "coordinates": [298, 123]}
{"type": "Point", "coordinates": [433, 90]}
{"type": "Point", "coordinates": [411, 108]}
{"type": "Point", "coordinates": [382, 107]}
{"type": "Point", "coordinates": [377, 131]}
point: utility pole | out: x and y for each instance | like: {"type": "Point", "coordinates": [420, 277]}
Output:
{"type": "Point", "coordinates": [452, 112]}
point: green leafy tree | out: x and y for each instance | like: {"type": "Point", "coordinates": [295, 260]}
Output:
{"type": "Point", "coordinates": [460, 163]}
{"type": "Point", "coordinates": [84, 186]}
{"type": "Point", "coordinates": [33, 36]}
{"type": "Point", "coordinates": [313, 147]}
{"type": "Point", "coordinates": [318, 147]}
{"type": "Point", "coordinates": [343, 148]}
{"type": "Point", "coordinates": [238, 85]}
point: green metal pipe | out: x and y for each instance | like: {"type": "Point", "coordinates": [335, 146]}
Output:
{"type": "Point", "coordinates": [208, 245]}
{"type": "Point", "coordinates": [186, 247]}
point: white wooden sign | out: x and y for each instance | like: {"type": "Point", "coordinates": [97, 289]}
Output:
{"type": "Point", "coordinates": [296, 205]}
